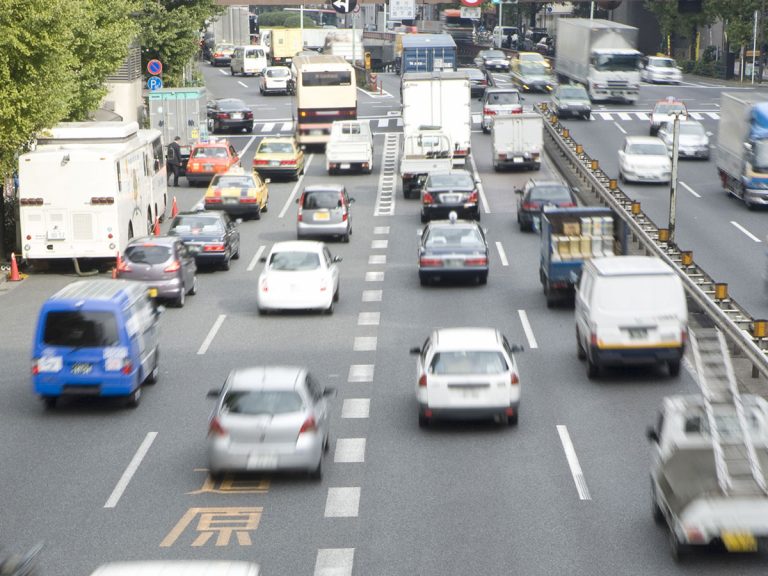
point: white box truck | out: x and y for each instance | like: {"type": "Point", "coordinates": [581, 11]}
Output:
{"type": "Point", "coordinates": [601, 55]}
{"type": "Point", "coordinates": [439, 99]}
{"type": "Point", "coordinates": [233, 26]}
{"type": "Point", "coordinates": [517, 141]}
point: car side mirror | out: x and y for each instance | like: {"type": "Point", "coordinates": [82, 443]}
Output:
{"type": "Point", "coordinates": [652, 435]}
{"type": "Point", "coordinates": [519, 191]}
{"type": "Point", "coordinates": [351, 200]}
{"type": "Point", "coordinates": [213, 393]}
{"type": "Point", "coordinates": [516, 348]}
{"type": "Point", "coordinates": [329, 392]}
{"type": "Point", "coordinates": [336, 259]}
{"type": "Point", "coordinates": [415, 350]}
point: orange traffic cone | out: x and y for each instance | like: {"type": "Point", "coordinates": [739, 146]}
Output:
{"type": "Point", "coordinates": [14, 277]}
{"type": "Point", "coordinates": [174, 208]}
{"type": "Point", "coordinates": [156, 230]}
{"type": "Point", "coordinates": [118, 263]}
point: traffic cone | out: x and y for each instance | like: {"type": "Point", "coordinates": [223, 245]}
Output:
{"type": "Point", "coordinates": [118, 263]}
{"type": "Point", "coordinates": [156, 231]}
{"type": "Point", "coordinates": [14, 277]}
{"type": "Point", "coordinates": [174, 208]}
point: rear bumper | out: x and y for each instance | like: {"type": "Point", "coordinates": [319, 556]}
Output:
{"type": "Point", "coordinates": [235, 124]}
{"type": "Point", "coordinates": [321, 301]}
{"type": "Point", "coordinates": [574, 111]}
{"type": "Point", "coordinates": [276, 170]}
{"type": "Point", "coordinates": [235, 209]}
{"type": "Point", "coordinates": [104, 384]}
{"type": "Point", "coordinates": [210, 257]}
{"type": "Point", "coordinates": [305, 455]}
{"type": "Point", "coordinates": [167, 288]}
{"type": "Point", "coordinates": [464, 211]}
{"type": "Point", "coordinates": [756, 196]}
{"type": "Point", "coordinates": [635, 356]}
{"type": "Point", "coordinates": [347, 165]}
{"type": "Point", "coordinates": [337, 229]}
{"type": "Point", "coordinates": [464, 413]}
{"type": "Point", "coordinates": [199, 176]}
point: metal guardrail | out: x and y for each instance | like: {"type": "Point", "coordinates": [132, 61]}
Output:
{"type": "Point", "coordinates": [748, 335]}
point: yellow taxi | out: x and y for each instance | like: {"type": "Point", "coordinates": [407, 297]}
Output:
{"type": "Point", "coordinates": [532, 57]}
{"type": "Point", "coordinates": [238, 193]}
{"type": "Point", "coordinates": [279, 157]}
{"type": "Point", "coordinates": [207, 159]}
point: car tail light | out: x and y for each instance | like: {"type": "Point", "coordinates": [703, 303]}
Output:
{"type": "Point", "coordinates": [431, 262]}
{"type": "Point", "coordinates": [213, 200]}
{"type": "Point", "coordinates": [567, 205]}
{"type": "Point", "coordinates": [222, 115]}
{"type": "Point", "coordinates": [518, 110]}
{"type": "Point", "coordinates": [428, 199]}
{"type": "Point", "coordinates": [249, 115]}
{"type": "Point", "coordinates": [344, 215]}
{"type": "Point", "coordinates": [530, 206]}
{"type": "Point", "coordinates": [489, 112]}
{"type": "Point", "coordinates": [513, 379]}
{"type": "Point", "coordinates": [365, 165]}
{"type": "Point", "coordinates": [123, 266]}
{"type": "Point", "coordinates": [215, 428]}
{"type": "Point", "coordinates": [214, 248]}
{"type": "Point", "coordinates": [174, 267]}
{"type": "Point", "coordinates": [694, 535]}
{"type": "Point", "coordinates": [460, 152]}
{"type": "Point", "coordinates": [35, 367]}
{"type": "Point", "coordinates": [260, 162]}
{"type": "Point", "coordinates": [473, 197]}
{"type": "Point", "coordinates": [300, 217]}
{"type": "Point", "coordinates": [287, 162]}
{"type": "Point", "coordinates": [309, 425]}
{"type": "Point", "coordinates": [248, 200]}
{"type": "Point", "coordinates": [127, 367]}
{"type": "Point", "coordinates": [423, 381]}
{"type": "Point", "coordinates": [476, 261]}
{"type": "Point", "coordinates": [502, 156]}
{"type": "Point", "coordinates": [593, 339]}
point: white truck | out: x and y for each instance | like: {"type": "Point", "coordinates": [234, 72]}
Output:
{"type": "Point", "coordinates": [601, 55]}
{"type": "Point", "coordinates": [232, 26]}
{"type": "Point", "coordinates": [350, 147]}
{"type": "Point", "coordinates": [517, 141]}
{"type": "Point", "coordinates": [424, 150]}
{"type": "Point", "coordinates": [439, 99]}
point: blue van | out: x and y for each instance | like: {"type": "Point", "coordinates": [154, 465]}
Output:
{"type": "Point", "coordinates": [96, 338]}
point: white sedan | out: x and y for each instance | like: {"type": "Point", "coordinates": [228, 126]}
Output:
{"type": "Point", "coordinates": [644, 159]}
{"type": "Point", "coordinates": [300, 275]}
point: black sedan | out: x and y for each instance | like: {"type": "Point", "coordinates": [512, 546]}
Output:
{"type": "Point", "coordinates": [540, 193]}
{"type": "Point", "coordinates": [453, 249]}
{"type": "Point", "coordinates": [211, 237]}
{"type": "Point", "coordinates": [450, 191]}
{"type": "Point", "coordinates": [492, 60]}
{"type": "Point", "coordinates": [229, 114]}
{"type": "Point", "coordinates": [479, 80]}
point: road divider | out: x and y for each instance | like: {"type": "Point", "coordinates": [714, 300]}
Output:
{"type": "Point", "coordinates": [134, 464]}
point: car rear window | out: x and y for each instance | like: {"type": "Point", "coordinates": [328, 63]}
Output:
{"type": "Point", "coordinates": [275, 148]}
{"type": "Point", "coordinates": [294, 261]}
{"type": "Point", "coordinates": [459, 180]}
{"type": "Point", "coordinates": [278, 72]}
{"type": "Point", "coordinates": [647, 149]}
{"type": "Point", "coordinates": [503, 98]}
{"type": "Point", "coordinates": [81, 329]}
{"type": "Point", "coordinates": [322, 199]}
{"type": "Point", "coordinates": [209, 152]}
{"type": "Point", "coordinates": [232, 181]}
{"type": "Point", "coordinates": [196, 225]}
{"type": "Point", "coordinates": [148, 254]}
{"type": "Point", "coordinates": [468, 362]}
{"type": "Point", "coordinates": [256, 402]}
{"type": "Point", "coordinates": [556, 193]}
{"type": "Point", "coordinates": [495, 54]}
{"type": "Point", "coordinates": [231, 104]}
{"type": "Point", "coordinates": [454, 236]}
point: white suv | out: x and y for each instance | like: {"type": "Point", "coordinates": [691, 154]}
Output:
{"type": "Point", "coordinates": [467, 373]}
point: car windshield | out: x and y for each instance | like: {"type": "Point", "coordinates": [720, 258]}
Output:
{"type": "Point", "coordinates": [616, 62]}
{"type": "Point", "coordinates": [321, 199]}
{"type": "Point", "coordinates": [531, 58]}
{"type": "Point", "coordinates": [468, 362]}
{"type": "Point", "coordinates": [278, 72]}
{"type": "Point", "coordinates": [668, 108]}
{"type": "Point", "coordinates": [473, 73]}
{"type": "Point", "coordinates": [148, 254]}
{"type": "Point", "coordinates": [81, 329]}
{"type": "Point", "coordinates": [460, 180]}
{"type": "Point", "coordinates": [503, 98]}
{"type": "Point", "coordinates": [209, 152]}
{"type": "Point", "coordinates": [574, 93]}
{"type": "Point", "coordinates": [226, 181]}
{"type": "Point", "coordinates": [550, 193]}
{"type": "Point", "coordinates": [294, 261]}
{"type": "Point", "coordinates": [647, 149]}
{"type": "Point", "coordinates": [256, 402]}
{"type": "Point", "coordinates": [654, 295]}
{"type": "Point", "coordinates": [693, 129]}
{"type": "Point", "coordinates": [225, 48]}
{"type": "Point", "coordinates": [196, 225]}
{"type": "Point", "coordinates": [533, 69]}
{"type": "Point", "coordinates": [231, 104]}
{"type": "Point", "coordinates": [275, 148]}
{"type": "Point", "coordinates": [493, 54]}
{"type": "Point", "coordinates": [662, 62]}
{"type": "Point", "coordinates": [454, 236]}
{"type": "Point", "coordinates": [760, 156]}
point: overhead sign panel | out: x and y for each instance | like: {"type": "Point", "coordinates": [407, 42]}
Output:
{"type": "Point", "coordinates": [402, 9]}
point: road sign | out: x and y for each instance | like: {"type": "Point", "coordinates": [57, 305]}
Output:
{"type": "Point", "coordinates": [472, 3]}
{"type": "Point", "coordinates": [344, 6]}
{"type": "Point", "coordinates": [155, 67]}
{"type": "Point", "coordinates": [472, 13]}
{"type": "Point", "coordinates": [154, 83]}
{"type": "Point", "coordinates": [402, 9]}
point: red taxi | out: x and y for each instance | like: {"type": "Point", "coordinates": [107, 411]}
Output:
{"type": "Point", "coordinates": [209, 158]}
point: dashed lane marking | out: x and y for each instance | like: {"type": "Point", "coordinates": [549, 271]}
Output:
{"type": "Point", "coordinates": [746, 232]}
{"type": "Point", "coordinates": [372, 295]}
{"type": "Point", "coordinates": [334, 562]}
{"type": "Point", "coordinates": [255, 260]}
{"type": "Point", "coordinates": [134, 464]}
{"type": "Point", "coordinates": [342, 502]}
{"type": "Point", "coordinates": [620, 128]}
{"type": "Point", "coordinates": [374, 276]}
{"type": "Point", "coordinates": [381, 230]}
{"type": "Point", "coordinates": [356, 408]}
{"type": "Point", "coordinates": [377, 259]}
{"type": "Point", "coordinates": [527, 329]}
{"type": "Point", "coordinates": [573, 463]}
{"type": "Point", "coordinates": [243, 84]}
{"type": "Point", "coordinates": [502, 254]}
{"type": "Point", "coordinates": [360, 373]}
{"type": "Point", "coordinates": [364, 344]}
{"type": "Point", "coordinates": [379, 244]}
{"type": "Point", "coordinates": [691, 190]}
{"type": "Point", "coordinates": [211, 334]}
{"type": "Point", "coordinates": [349, 451]}
{"type": "Point", "coordinates": [368, 318]}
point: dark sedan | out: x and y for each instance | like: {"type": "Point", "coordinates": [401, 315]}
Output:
{"type": "Point", "coordinates": [210, 236]}
{"type": "Point", "coordinates": [453, 249]}
{"type": "Point", "coordinates": [479, 80]}
{"type": "Point", "coordinates": [492, 60]}
{"type": "Point", "coordinates": [229, 114]}
{"type": "Point", "coordinates": [450, 191]}
{"type": "Point", "coordinates": [540, 193]}
{"type": "Point", "coordinates": [163, 263]}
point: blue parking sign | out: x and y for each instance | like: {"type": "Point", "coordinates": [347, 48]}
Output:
{"type": "Point", "coordinates": [154, 83]}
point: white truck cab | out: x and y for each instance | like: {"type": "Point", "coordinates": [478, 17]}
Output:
{"type": "Point", "coordinates": [350, 147]}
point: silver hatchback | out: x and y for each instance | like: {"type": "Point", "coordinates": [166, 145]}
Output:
{"type": "Point", "coordinates": [269, 418]}
{"type": "Point", "coordinates": [497, 102]}
{"type": "Point", "coordinates": [324, 210]}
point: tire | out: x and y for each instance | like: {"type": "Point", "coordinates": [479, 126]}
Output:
{"type": "Point", "coordinates": [423, 421]}
{"type": "Point", "coordinates": [193, 290]}
{"type": "Point", "coordinates": [485, 130]}
{"type": "Point", "coordinates": [423, 279]}
{"type": "Point", "coordinates": [336, 295]}
{"type": "Point", "coordinates": [179, 302]}
{"type": "Point", "coordinates": [549, 297]}
{"type": "Point", "coordinates": [327, 443]}
{"type": "Point", "coordinates": [345, 238]}
{"type": "Point", "coordinates": [257, 215]}
{"type": "Point", "coordinates": [262, 311]}
{"type": "Point", "coordinates": [154, 376]}
{"type": "Point", "coordinates": [226, 265]}
{"type": "Point", "coordinates": [621, 177]}
{"type": "Point", "coordinates": [317, 473]}
{"type": "Point", "coordinates": [216, 475]}
{"type": "Point", "coordinates": [512, 420]}
{"type": "Point", "coordinates": [593, 369]}
{"type": "Point", "coordinates": [483, 279]}
{"type": "Point", "coordinates": [581, 354]}
{"type": "Point", "coordinates": [236, 255]}
{"type": "Point", "coordinates": [50, 402]}
{"type": "Point", "coordinates": [266, 207]}
{"type": "Point", "coordinates": [674, 368]}
{"type": "Point", "coordinates": [678, 550]}
{"type": "Point", "coordinates": [424, 218]}
{"type": "Point", "coordinates": [329, 311]}
{"type": "Point", "coordinates": [134, 399]}
{"type": "Point", "coordinates": [658, 515]}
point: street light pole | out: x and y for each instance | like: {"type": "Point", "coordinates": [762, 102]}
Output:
{"type": "Point", "coordinates": [673, 180]}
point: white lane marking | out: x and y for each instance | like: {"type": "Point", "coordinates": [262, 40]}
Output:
{"type": "Point", "coordinates": [255, 260]}
{"type": "Point", "coordinates": [364, 344]}
{"type": "Point", "coordinates": [379, 244]}
{"type": "Point", "coordinates": [291, 197]}
{"type": "Point", "coordinates": [243, 84]}
{"type": "Point", "coordinates": [342, 502]}
{"type": "Point", "coordinates": [642, 115]}
{"type": "Point", "coordinates": [349, 450]}
{"type": "Point", "coordinates": [477, 118]}
{"type": "Point", "coordinates": [368, 318]}
{"type": "Point", "coordinates": [372, 295]}
{"type": "Point", "coordinates": [624, 116]}
{"type": "Point", "coordinates": [134, 464]}
{"type": "Point", "coordinates": [248, 145]}
{"type": "Point", "coordinates": [360, 373]}
{"type": "Point", "coordinates": [502, 254]}
{"type": "Point", "coordinates": [374, 276]}
{"type": "Point", "coordinates": [377, 259]}
{"type": "Point", "coordinates": [211, 334]}
{"type": "Point", "coordinates": [383, 123]}
{"type": "Point", "coordinates": [573, 463]}
{"type": "Point", "coordinates": [713, 115]}
{"type": "Point", "coordinates": [605, 115]}
{"type": "Point", "coordinates": [224, 72]}
{"type": "Point", "coordinates": [481, 191]}
{"type": "Point", "coordinates": [620, 128]}
{"type": "Point", "coordinates": [691, 190]}
{"type": "Point", "coordinates": [746, 232]}
{"type": "Point", "coordinates": [287, 127]}
{"type": "Point", "coordinates": [527, 329]}
{"type": "Point", "coordinates": [334, 562]}
{"type": "Point", "coordinates": [268, 127]}
{"type": "Point", "coordinates": [381, 229]}
{"type": "Point", "coordinates": [696, 116]}
{"type": "Point", "coordinates": [356, 408]}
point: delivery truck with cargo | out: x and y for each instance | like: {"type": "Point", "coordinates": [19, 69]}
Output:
{"type": "Point", "coordinates": [517, 141]}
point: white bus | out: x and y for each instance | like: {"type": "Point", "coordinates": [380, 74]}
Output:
{"type": "Point", "coordinates": [326, 90]}
{"type": "Point", "coordinates": [89, 187]}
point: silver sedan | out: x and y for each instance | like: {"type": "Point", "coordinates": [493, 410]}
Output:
{"type": "Point", "coordinates": [269, 418]}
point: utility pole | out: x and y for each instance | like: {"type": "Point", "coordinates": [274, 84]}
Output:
{"type": "Point", "coordinates": [673, 180]}
{"type": "Point", "coordinates": [754, 48]}
{"type": "Point", "coordinates": [592, 10]}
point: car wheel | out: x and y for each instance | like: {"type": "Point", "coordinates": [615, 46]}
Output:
{"type": "Point", "coordinates": [476, 217]}
{"type": "Point", "coordinates": [265, 208]}
{"type": "Point", "coordinates": [336, 295]}
{"type": "Point", "coordinates": [588, 116]}
{"type": "Point", "coordinates": [423, 421]}
{"type": "Point", "coordinates": [581, 354]}
{"type": "Point", "coordinates": [134, 398]}
{"type": "Point", "coordinates": [515, 417]}
{"type": "Point", "coordinates": [345, 237]}
{"type": "Point", "coordinates": [193, 290]}
{"type": "Point", "coordinates": [262, 311]}
{"type": "Point", "coordinates": [236, 255]}
{"type": "Point", "coordinates": [317, 473]}
{"type": "Point", "coordinates": [331, 306]}
{"type": "Point", "coordinates": [483, 278]}
{"type": "Point", "coordinates": [658, 515]}
{"type": "Point", "coordinates": [485, 130]}
{"type": "Point", "coordinates": [257, 215]}
{"type": "Point", "coordinates": [216, 475]}
{"type": "Point", "coordinates": [155, 374]}
{"type": "Point", "coordinates": [674, 368]}
{"type": "Point", "coordinates": [424, 218]}
{"type": "Point", "coordinates": [179, 302]}
{"type": "Point", "coordinates": [226, 264]}
{"type": "Point", "coordinates": [327, 443]}
{"type": "Point", "coordinates": [261, 91]}
{"type": "Point", "coordinates": [423, 279]}
{"type": "Point", "coordinates": [593, 369]}
{"type": "Point", "coordinates": [50, 402]}
{"type": "Point", "coordinates": [622, 179]}
{"type": "Point", "coordinates": [678, 549]}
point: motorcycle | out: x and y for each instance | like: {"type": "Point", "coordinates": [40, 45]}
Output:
{"type": "Point", "coordinates": [17, 565]}
{"type": "Point", "coordinates": [290, 86]}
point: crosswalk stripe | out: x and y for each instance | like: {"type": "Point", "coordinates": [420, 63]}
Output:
{"type": "Point", "coordinates": [268, 127]}
{"type": "Point", "coordinates": [605, 115]}
{"type": "Point", "coordinates": [641, 115]}
{"type": "Point", "coordinates": [287, 127]}
{"type": "Point", "coordinates": [624, 116]}
{"type": "Point", "coordinates": [713, 115]}
{"type": "Point", "coordinates": [477, 118]}
{"type": "Point", "coordinates": [383, 122]}
{"type": "Point", "coordinates": [696, 116]}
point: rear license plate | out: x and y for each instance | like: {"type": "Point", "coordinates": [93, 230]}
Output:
{"type": "Point", "coordinates": [152, 292]}
{"type": "Point", "coordinates": [207, 166]}
{"type": "Point", "coordinates": [231, 200]}
{"type": "Point", "coordinates": [274, 163]}
{"type": "Point", "coordinates": [82, 368]}
{"type": "Point", "coordinates": [454, 262]}
{"type": "Point", "coordinates": [261, 461]}
{"type": "Point", "coordinates": [450, 198]}
{"type": "Point", "coordinates": [517, 160]}
{"type": "Point", "coordinates": [344, 166]}
{"type": "Point", "coordinates": [739, 542]}
{"type": "Point", "coordinates": [237, 116]}
{"type": "Point", "coordinates": [470, 393]}
{"type": "Point", "coordinates": [321, 216]}
{"type": "Point", "coordinates": [636, 333]}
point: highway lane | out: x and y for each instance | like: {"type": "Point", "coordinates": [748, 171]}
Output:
{"type": "Point", "coordinates": [423, 495]}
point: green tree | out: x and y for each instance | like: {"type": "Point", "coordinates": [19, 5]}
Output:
{"type": "Point", "coordinates": [678, 25]}
{"type": "Point", "coordinates": [294, 21]}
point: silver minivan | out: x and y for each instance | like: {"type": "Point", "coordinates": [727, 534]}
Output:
{"type": "Point", "coordinates": [248, 60]}
{"type": "Point", "coordinates": [324, 210]}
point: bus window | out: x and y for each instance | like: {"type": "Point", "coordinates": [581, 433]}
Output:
{"type": "Point", "coordinates": [338, 78]}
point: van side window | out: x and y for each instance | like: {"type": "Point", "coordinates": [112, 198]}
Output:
{"type": "Point", "coordinates": [157, 153]}
{"type": "Point", "coordinates": [587, 285]}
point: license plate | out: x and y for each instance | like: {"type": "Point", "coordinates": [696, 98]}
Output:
{"type": "Point", "coordinates": [231, 200]}
{"type": "Point", "coordinates": [471, 393]}
{"type": "Point", "coordinates": [152, 292]}
{"type": "Point", "coordinates": [454, 262]}
{"type": "Point", "coordinates": [344, 166]}
{"type": "Point", "coordinates": [275, 163]}
{"type": "Point", "coordinates": [262, 461]}
{"type": "Point", "coordinates": [636, 333]}
{"type": "Point", "coordinates": [739, 542]}
{"type": "Point", "coordinates": [81, 368]}
{"type": "Point", "coordinates": [321, 216]}
{"type": "Point", "coordinates": [193, 249]}
{"type": "Point", "coordinates": [450, 198]}
{"type": "Point", "coordinates": [237, 116]}
{"type": "Point", "coordinates": [517, 160]}
{"type": "Point", "coordinates": [207, 166]}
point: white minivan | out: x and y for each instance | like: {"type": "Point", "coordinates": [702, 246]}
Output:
{"type": "Point", "coordinates": [630, 310]}
{"type": "Point", "coordinates": [250, 60]}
